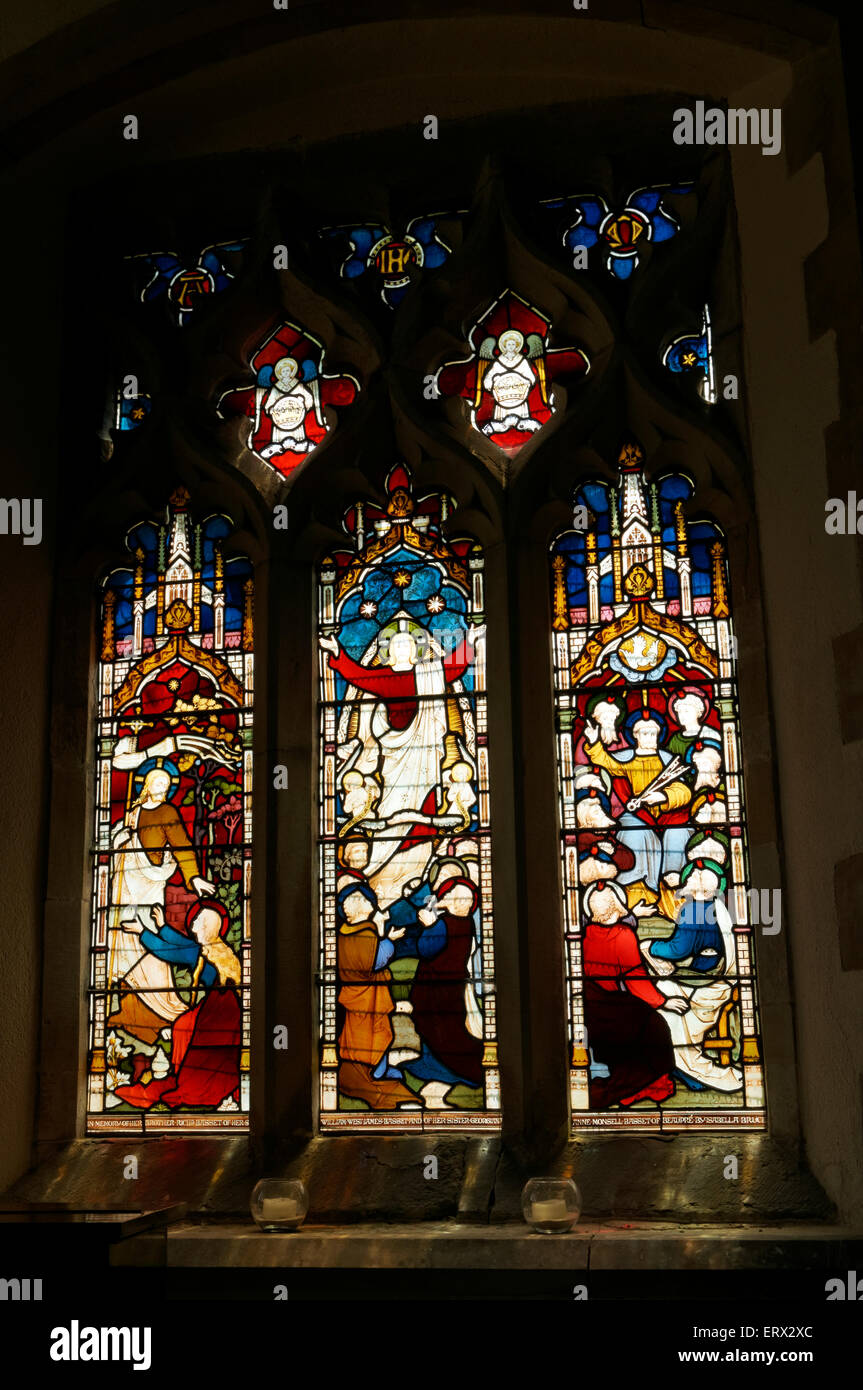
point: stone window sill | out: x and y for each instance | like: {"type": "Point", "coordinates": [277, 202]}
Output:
{"type": "Point", "coordinates": [447, 1245]}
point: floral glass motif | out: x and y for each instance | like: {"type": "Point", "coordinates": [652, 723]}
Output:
{"type": "Point", "coordinates": [130, 412]}
{"type": "Point", "coordinates": [169, 965]}
{"type": "Point", "coordinates": [623, 234]}
{"type": "Point", "coordinates": [659, 944]}
{"type": "Point", "coordinates": [286, 404]}
{"type": "Point", "coordinates": [392, 261]}
{"type": "Point", "coordinates": [185, 282]}
{"type": "Point", "coordinates": [507, 379]}
{"type": "Point", "coordinates": [693, 354]}
{"type": "Point", "coordinates": [407, 1008]}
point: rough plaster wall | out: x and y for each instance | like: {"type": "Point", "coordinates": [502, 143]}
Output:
{"type": "Point", "coordinates": [26, 461]}
{"type": "Point", "coordinates": [812, 594]}
{"type": "Point", "coordinates": [22, 25]}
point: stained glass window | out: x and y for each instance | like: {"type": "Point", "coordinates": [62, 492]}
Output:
{"type": "Point", "coordinates": [286, 404]}
{"type": "Point", "coordinates": [620, 233]}
{"type": "Point", "coordinates": [183, 282]}
{"type": "Point", "coordinates": [659, 942]}
{"type": "Point", "coordinates": [130, 412]}
{"type": "Point", "coordinates": [508, 379]}
{"type": "Point", "coordinates": [406, 969]}
{"type": "Point", "coordinates": [692, 354]}
{"type": "Point", "coordinates": [393, 260]}
{"type": "Point", "coordinates": [169, 966]}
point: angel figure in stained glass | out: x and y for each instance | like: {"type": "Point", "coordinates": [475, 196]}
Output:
{"type": "Point", "coordinates": [508, 380]}
{"type": "Point", "coordinates": [286, 404]}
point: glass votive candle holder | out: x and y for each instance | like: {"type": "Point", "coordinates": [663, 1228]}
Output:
{"type": "Point", "coordinates": [279, 1204]}
{"type": "Point", "coordinates": [551, 1205]}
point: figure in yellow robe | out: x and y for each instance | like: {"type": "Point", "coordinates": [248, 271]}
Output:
{"type": "Point", "coordinates": [657, 830]}
{"type": "Point", "coordinates": [365, 996]}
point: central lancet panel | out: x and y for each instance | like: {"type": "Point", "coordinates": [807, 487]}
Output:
{"type": "Point", "coordinates": [408, 1034]}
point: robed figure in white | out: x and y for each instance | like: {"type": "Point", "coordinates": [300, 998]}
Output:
{"type": "Point", "coordinates": [399, 745]}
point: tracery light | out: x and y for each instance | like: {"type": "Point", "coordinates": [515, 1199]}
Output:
{"type": "Point", "coordinates": [507, 380]}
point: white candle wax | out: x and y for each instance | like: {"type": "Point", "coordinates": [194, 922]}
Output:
{"type": "Point", "coordinates": [280, 1209]}
{"type": "Point", "coordinates": [553, 1209]}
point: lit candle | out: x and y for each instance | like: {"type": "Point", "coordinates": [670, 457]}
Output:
{"type": "Point", "coordinates": [553, 1209]}
{"type": "Point", "coordinates": [280, 1209]}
